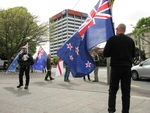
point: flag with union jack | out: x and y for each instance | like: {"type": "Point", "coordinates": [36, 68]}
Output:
{"type": "Point", "coordinates": [97, 28]}
{"type": "Point", "coordinates": [41, 60]}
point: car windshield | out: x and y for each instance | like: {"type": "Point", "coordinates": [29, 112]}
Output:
{"type": "Point", "coordinates": [146, 62]}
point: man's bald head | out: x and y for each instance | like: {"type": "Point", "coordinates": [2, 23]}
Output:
{"type": "Point", "coordinates": [121, 29]}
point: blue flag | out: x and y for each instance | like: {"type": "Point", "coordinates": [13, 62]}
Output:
{"type": "Point", "coordinates": [97, 28]}
{"type": "Point", "coordinates": [12, 67]}
{"type": "Point", "coordinates": [41, 60]}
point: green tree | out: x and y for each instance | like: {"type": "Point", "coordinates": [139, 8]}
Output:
{"type": "Point", "coordinates": [136, 58]}
{"type": "Point", "coordinates": [142, 27]}
{"type": "Point", "coordinates": [17, 28]}
{"type": "Point", "coordinates": [55, 60]}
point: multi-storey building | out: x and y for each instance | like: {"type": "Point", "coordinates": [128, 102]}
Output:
{"type": "Point", "coordinates": [62, 26]}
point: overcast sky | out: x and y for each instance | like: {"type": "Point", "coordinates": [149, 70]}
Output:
{"type": "Point", "coordinates": [123, 11]}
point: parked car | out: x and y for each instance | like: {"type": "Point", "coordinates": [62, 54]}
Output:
{"type": "Point", "coordinates": [3, 64]}
{"type": "Point", "coordinates": [142, 70]}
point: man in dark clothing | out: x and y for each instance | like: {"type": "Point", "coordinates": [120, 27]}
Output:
{"type": "Point", "coordinates": [49, 67]}
{"type": "Point", "coordinates": [121, 49]}
{"type": "Point", "coordinates": [25, 61]}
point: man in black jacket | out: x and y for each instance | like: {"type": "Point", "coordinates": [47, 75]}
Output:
{"type": "Point", "coordinates": [25, 61]}
{"type": "Point", "coordinates": [121, 49]}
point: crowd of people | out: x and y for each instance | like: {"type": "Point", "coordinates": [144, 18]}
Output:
{"type": "Point", "coordinates": [25, 61]}
{"type": "Point", "coordinates": [120, 48]}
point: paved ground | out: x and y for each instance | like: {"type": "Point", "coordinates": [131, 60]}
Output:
{"type": "Point", "coordinates": [57, 96]}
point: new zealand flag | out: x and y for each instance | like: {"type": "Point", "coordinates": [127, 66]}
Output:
{"type": "Point", "coordinates": [97, 28]}
{"type": "Point", "coordinates": [41, 60]}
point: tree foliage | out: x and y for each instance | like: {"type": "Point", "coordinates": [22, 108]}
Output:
{"type": "Point", "coordinates": [55, 59]}
{"type": "Point", "coordinates": [142, 27]}
{"type": "Point", "coordinates": [136, 58]}
{"type": "Point", "coordinates": [17, 28]}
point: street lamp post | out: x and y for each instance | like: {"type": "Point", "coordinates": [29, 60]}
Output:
{"type": "Point", "coordinates": [139, 49]}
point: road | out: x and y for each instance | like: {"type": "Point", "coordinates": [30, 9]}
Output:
{"type": "Point", "coordinates": [138, 88]}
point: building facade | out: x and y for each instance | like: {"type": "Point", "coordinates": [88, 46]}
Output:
{"type": "Point", "coordinates": [142, 43]}
{"type": "Point", "coordinates": [62, 26]}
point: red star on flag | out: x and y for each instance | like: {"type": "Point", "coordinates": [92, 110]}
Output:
{"type": "Point", "coordinates": [77, 50]}
{"type": "Point", "coordinates": [71, 58]}
{"type": "Point", "coordinates": [88, 64]}
{"type": "Point", "coordinates": [69, 46]}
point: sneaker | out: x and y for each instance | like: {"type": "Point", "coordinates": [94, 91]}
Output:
{"type": "Point", "coordinates": [19, 86]}
{"type": "Point", "coordinates": [26, 87]}
{"type": "Point", "coordinates": [95, 80]}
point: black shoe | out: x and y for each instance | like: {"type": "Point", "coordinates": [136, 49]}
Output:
{"type": "Point", "coordinates": [67, 80]}
{"type": "Point", "coordinates": [84, 79]}
{"type": "Point", "coordinates": [26, 87]}
{"type": "Point", "coordinates": [19, 86]}
{"type": "Point", "coordinates": [46, 79]}
{"type": "Point", "coordinates": [89, 77]}
{"type": "Point", "coordinates": [111, 112]}
{"type": "Point", "coordinates": [51, 78]}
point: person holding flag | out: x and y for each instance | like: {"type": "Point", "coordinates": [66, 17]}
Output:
{"type": "Point", "coordinates": [40, 61]}
{"type": "Point", "coordinates": [25, 61]}
{"type": "Point", "coordinates": [96, 29]}
{"type": "Point", "coordinates": [49, 67]}
{"type": "Point", "coordinates": [121, 49]}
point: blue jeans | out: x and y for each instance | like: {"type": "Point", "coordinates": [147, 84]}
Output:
{"type": "Point", "coordinates": [66, 76]}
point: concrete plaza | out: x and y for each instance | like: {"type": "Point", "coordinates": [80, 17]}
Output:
{"type": "Point", "coordinates": [57, 96]}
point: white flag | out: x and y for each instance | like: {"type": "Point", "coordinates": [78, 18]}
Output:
{"type": "Point", "coordinates": [59, 69]}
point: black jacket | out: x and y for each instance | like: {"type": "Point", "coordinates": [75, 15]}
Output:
{"type": "Point", "coordinates": [28, 62]}
{"type": "Point", "coordinates": [121, 49]}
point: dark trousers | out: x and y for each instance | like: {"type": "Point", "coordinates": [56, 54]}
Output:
{"type": "Point", "coordinates": [123, 75]}
{"type": "Point", "coordinates": [88, 76]}
{"type": "Point", "coordinates": [67, 73]}
{"type": "Point", "coordinates": [48, 74]}
{"type": "Point", "coordinates": [26, 70]}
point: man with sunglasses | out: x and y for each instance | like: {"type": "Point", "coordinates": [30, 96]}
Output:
{"type": "Point", "coordinates": [121, 49]}
{"type": "Point", "coordinates": [25, 61]}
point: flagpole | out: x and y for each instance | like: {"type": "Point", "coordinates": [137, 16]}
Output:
{"type": "Point", "coordinates": [108, 59]}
